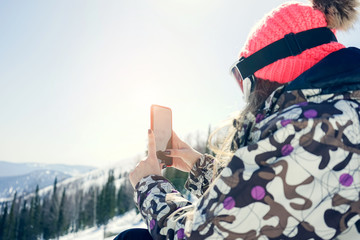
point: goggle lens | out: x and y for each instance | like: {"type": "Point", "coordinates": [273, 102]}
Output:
{"type": "Point", "coordinates": [235, 72]}
{"type": "Point", "coordinates": [246, 85]}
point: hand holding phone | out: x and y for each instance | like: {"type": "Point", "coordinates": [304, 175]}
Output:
{"type": "Point", "coordinates": [161, 124]}
{"type": "Point", "coordinates": [148, 166]}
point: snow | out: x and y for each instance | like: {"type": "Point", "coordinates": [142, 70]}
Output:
{"type": "Point", "coordinates": [24, 177]}
{"type": "Point", "coordinates": [112, 229]}
{"type": "Point", "coordinates": [82, 182]}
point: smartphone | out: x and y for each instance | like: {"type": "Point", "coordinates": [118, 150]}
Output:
{"type": "Point", "coordinates": [161, 124]}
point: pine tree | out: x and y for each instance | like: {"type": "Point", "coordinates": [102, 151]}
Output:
{"type": "Point", "coordinates": [125, 197]}
{"type": "Point", "coordinates": [81, 218]}
{"type": "Point", "coordinates": [10, 227]}
{"type": "Point", "coordinates": [23, 223]}
{"type": "Point", "coordinates": [94, 206]}
{"type": "Point", "coordinates": [51, 215]}
{"type": "Point", "coordinates": [3, 222]}
{"type": "Point", "coordinates": [110, 195]}
{"type": "Point", "coordinates": [35, 215]}
{"type": "Point", "coordinates": [61, 222]}
{"type": "Point", "coordinates": [87, 213]}
{"type": "Point", "coordinates": [121, 198]}
{"type": "Point", "coordinates": [31, 231]}
{"type": "Point", "coordinates": [106, 202]}
{"type": "Point", "coordinates": [100, 208]}
{"type": "Point", "coordinates": [54, 210]}
{"type": "Point", "coordinates": [76, 210]}
{"type": "Point", "coordinates": [44, 218]}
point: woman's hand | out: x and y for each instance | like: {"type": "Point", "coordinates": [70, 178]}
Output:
{"type": "Point", "coordinates": [149, 166]}
{"type": "Point", "coordinates": [184, 156]}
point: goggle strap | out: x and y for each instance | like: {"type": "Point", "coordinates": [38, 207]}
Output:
{"type": "Point", "coordinates": [291, 45]}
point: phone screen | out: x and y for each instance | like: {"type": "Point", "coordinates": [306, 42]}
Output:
{"type": "Point", "coordinates": [161, 124]}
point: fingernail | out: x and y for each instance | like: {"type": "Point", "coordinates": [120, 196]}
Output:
{"type": "Point", "coordinates": [167, 152]}
{"type": "Point", "coordinates": [149, 131]}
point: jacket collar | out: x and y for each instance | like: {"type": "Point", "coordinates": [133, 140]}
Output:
{"type": "Point", "coordinates": [335, 77]}
{"type": "Point", "coordinates": [338, 72]}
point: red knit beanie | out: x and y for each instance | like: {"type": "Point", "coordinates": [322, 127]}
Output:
{"type": "Point", "coordinates": [293, 18]}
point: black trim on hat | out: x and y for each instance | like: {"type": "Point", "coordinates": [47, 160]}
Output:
{"type": "Point", "coordinates": [291, 45]}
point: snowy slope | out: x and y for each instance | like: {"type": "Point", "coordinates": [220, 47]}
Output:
{"type": "Point", "coordinates": [25, 184]}
{"type": "Point", "coordinates": [78, 187]}
{"type": "Point", "coordinates": [23, 177]}
{"type": "Point", "coordinates": [95, 178]}
{"type": "Point", "coordinates": [112, 229]}
{"type": "Point", "coordinates": [73, 180]}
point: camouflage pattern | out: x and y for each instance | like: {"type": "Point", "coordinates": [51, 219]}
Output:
{"type": "Point", "coordinates": [294, 175]}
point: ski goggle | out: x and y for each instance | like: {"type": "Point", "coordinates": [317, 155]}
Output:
{"type": "Point", "coordinates": [236, 73]}
{"type": "Point", "coordinates": [246, 83]}
{"type": "Point", "coordinates": [291, 44]}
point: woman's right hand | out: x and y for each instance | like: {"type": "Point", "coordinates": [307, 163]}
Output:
{"type": "Point", "coordinates": [184, 156]}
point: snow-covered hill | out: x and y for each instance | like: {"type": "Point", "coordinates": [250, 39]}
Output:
{"type": "Point", "coordinates": [96, 178]}
{"type": "Point", "coordinates": [9, 169]}
{"type": "Point", "coordinates": [25, 184]}
{"type": "Point", "coordinates": [24, 177]}
{"type": "Point", "coordinates": [78, 202]}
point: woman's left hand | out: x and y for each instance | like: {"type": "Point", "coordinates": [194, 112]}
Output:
{"type": "Point", "coordinates": [149, 166]}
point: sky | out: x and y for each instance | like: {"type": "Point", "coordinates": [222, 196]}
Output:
{"type": "Point", "coordinates": [77, 78]}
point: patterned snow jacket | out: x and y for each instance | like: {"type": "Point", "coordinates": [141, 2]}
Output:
{"type": "Point", "coordinates": [294, 175]}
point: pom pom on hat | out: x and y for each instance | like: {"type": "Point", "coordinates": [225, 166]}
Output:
{"type": "Point", "coordinates": [296, 17]}
{"type": "Point", "coordinates": [340, 14]}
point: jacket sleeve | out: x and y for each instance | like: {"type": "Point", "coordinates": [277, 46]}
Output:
{"type": "Point", "coordinates": [201, 175]}
{"type": "Point", "coordinates": [284, 186]}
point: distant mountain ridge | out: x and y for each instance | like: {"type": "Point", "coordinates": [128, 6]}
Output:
{"type": "Point", "coordinates": [16, 169]}
{"type": "Point", "coordinates": [24, 177]}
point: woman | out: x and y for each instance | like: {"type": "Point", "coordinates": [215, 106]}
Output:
{"type": "Point", "coordinates": [294, 170]}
